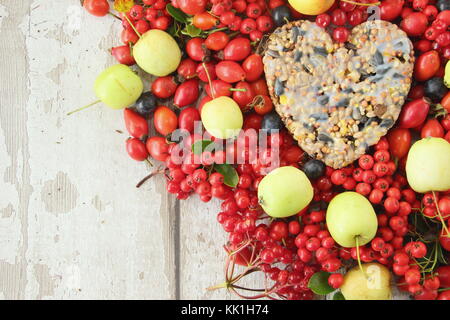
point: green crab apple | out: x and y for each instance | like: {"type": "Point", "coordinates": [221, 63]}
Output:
{"type": "Point", "coordinates": [118, 86]}
{"type": "Point", "coordinates": [372, 282]}
{"type": "Point", "coordinates": [428, 165]}
{"type": "Point", "coordinates": [157, 53]}
{"type": "Point", "coordinates": [311, 7]}
{"type": "Point", "coordinates": [284, 192]}
{"type": "Point", "coordinates": [351, 220]}
{"type": "Point", "coordinates": [222, 118]}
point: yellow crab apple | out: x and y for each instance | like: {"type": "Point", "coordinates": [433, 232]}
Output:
{"type": "Point", "coordinates": [284, 192]}
{"type": "Point", "coordinates": [157, 53]}
{"type": "Point", "coordinates": [372, 282]}
{"type": "Point", "coordinates": [351, 219]}
{"type": "Point", "coordinates": [311, 7]}
{"type": "Point", "coordinates": [222, 118]}
{"type": "Point", "coordinates": [428, 165]}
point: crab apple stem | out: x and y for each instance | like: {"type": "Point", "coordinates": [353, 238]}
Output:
{"type": "Point", "coordinates": [217, 30]}
{"type": "Point", "coordinates": [238, 89]}
{"type": "Point", "coordinates": [358, 256]}
{"type": "Point", "coordinates": [132, 25]}
{"type": "Point", "coordinates": [444, 226]}
{"type": "Point", "coordinates": [233, 34]}
{"type": "Point", "coordinates": [114, 15]}
{"type": "Point", "coordinates": [213, 92]}
{"type": "Point", "coordinates": [149, 162]}
{"type": "Point", "coordinates": [84, 108]}
{"type": "Point", "coordinates": [218, 286]}
{"type": "Point", "coordinates": [362, 4]}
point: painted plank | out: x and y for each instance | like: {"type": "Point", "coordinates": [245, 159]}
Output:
{"type": "Point", "coordinates": [14, 155]}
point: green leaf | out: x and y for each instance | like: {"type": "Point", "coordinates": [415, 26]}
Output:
{"type": "Point", "coordinates": [175, 29]}
{"type": "Point", "coordinates": [177, 14]}
{"type": "Point", "coordinates": [230, 176]}
{"type": "Point", "coordinates": [200, 146]}
{"type": "Point", "coordinates": [319, 283]}
{"type": "Point", "coordinates": [338, 296]}
{"type": "Point", "coordinates": [191, 31]}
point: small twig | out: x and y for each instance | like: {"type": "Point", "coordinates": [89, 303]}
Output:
{"type": "Point", "coordinates": [144, 180]}
{"type": "Point", "coordinates": [85, 107]}
{"type": "Point", "coordinates": [444, 226]}
{"type": "Point", "coordinates": [362, 4]}
{"type": "Point", "coordinates": [132, 25]}
{"type": "Point", "coordinates": [248, 289]}
{"type": "Point", "coordinates": [219, 286]}
{"type": "Point", "coordinates": [149, 162]}
{"type": "Point", "coordinates": [115, 16]}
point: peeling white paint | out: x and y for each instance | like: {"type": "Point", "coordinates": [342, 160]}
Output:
{"type": "Point", "coordinates": [10, 238]}
{"type": "Point", "coordinates": [3, 14]}
{"type": "Point", "coordinates": [59, 195]}
{"type": "Point", "coordinates": [74, 19]}
{"type": "Point", "coordinates": [72, 277]}
{"type": "Point", "coordinates": [9, 195]}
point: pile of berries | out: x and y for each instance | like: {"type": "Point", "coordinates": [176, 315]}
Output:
{"type": "Point", "coordinates": [251, 19]}
{"type": "Point", "coordinates": [192, 173]}
{"type": "Point", "coordinates": [343, 16]}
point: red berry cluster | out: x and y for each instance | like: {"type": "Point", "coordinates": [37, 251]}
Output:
{"type": "Point", "coordinates": [269, 247]}
{"type": "Point", "coordinates": [250, 18]}
{"type": "Point", "coordinates": [411, 279]}
{"type": "Point", "coordinates": [422, 19]}
{"type": "Point", "coordinates": [225, 61]}
{"type": "Point", "coordinates": [342, 16]}
{"type": "Point", "coordinates": [432, 202]}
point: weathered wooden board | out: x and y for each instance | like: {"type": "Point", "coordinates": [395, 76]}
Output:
{"type": "Point", "coordinates": [72, 223]}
